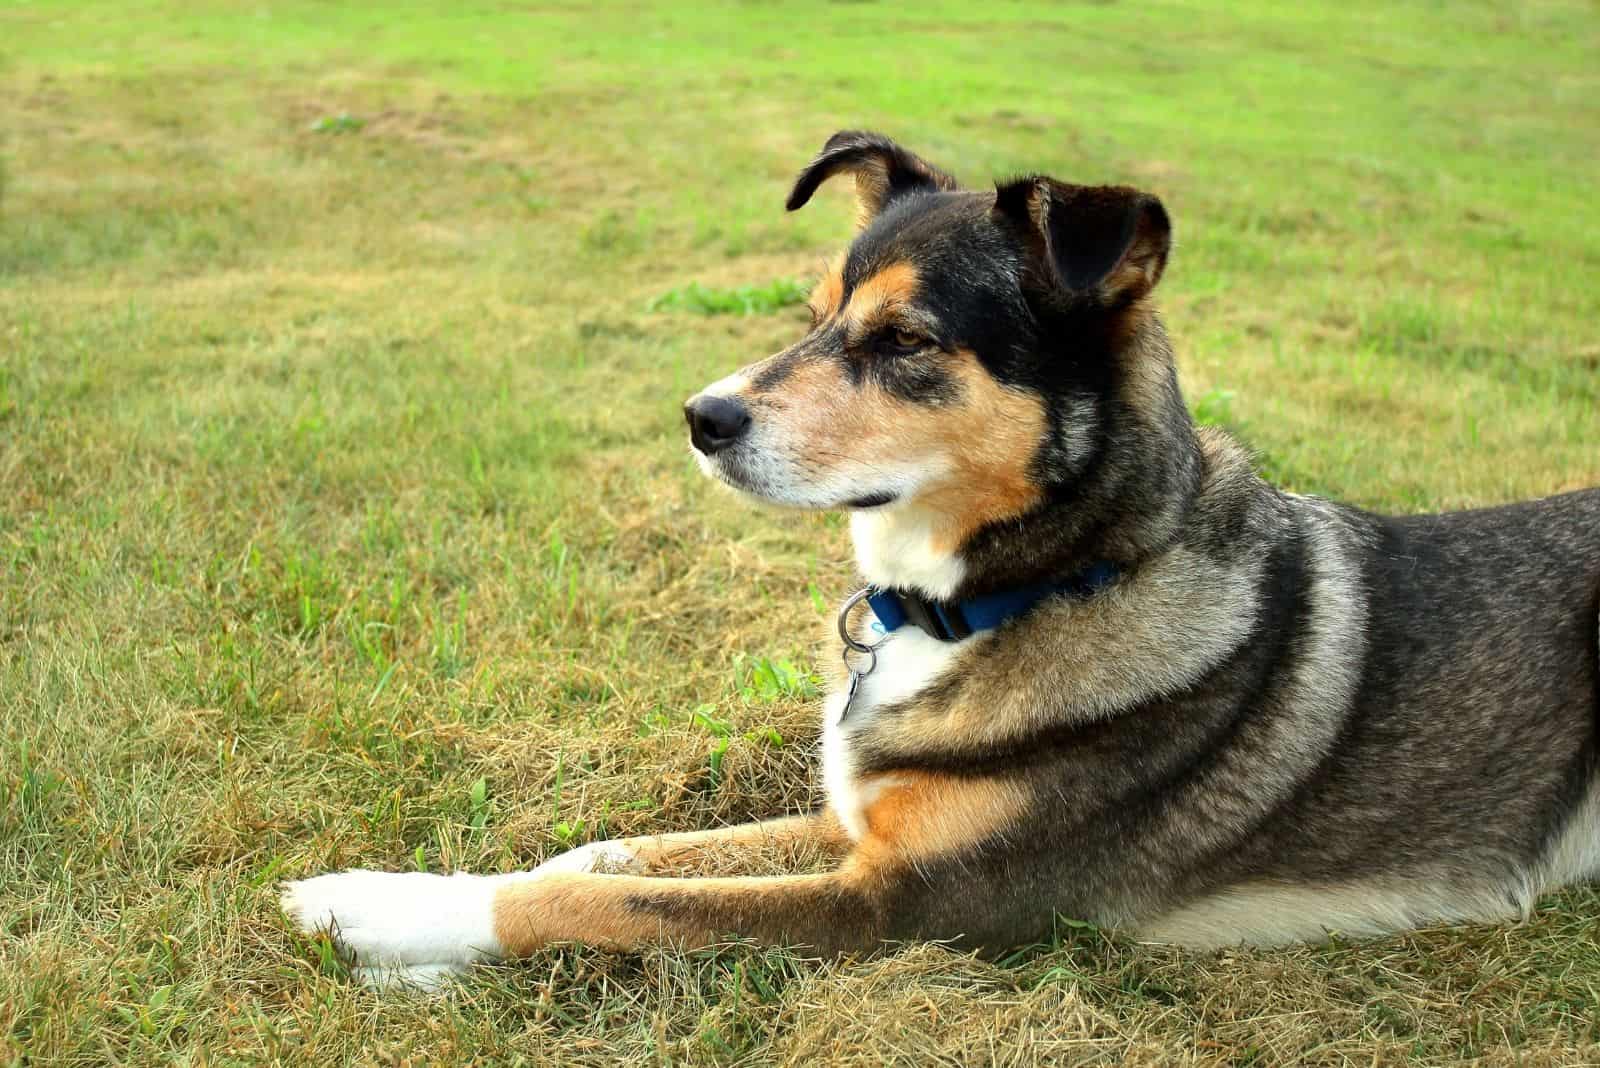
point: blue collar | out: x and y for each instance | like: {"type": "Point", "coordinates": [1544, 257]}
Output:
{"type": "Point", "coordinates": [951, 621]}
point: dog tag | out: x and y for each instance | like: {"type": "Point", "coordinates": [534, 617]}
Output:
{"type": "Point", "coordinates": [850, 695]}
{"type": "Point", "coordinates": [856, 677]}
{"type": "Point", "coordinates": [855, 685]}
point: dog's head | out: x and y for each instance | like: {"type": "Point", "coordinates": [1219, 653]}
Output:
{"type": "Point", "coordinates": [962, 355]}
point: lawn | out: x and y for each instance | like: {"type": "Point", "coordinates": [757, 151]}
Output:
{"type": "Point", "coordinates": [347, 518]}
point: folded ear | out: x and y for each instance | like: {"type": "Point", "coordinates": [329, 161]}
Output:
{"type": "Point", "coordinates": [882, 169]}
{"type": "Point", "coordinates": [1107, 242]}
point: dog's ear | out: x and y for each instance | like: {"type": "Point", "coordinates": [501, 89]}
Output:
{"type": "Point", "coordinates": [1107, 243]}
{"type": "Point", "coordinates": [882, 169]}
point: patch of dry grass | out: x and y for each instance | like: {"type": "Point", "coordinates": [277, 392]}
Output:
{"type": "Point", "coordinates": [344, 474]}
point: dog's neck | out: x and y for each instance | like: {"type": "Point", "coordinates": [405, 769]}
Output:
{"type": "Point", "coordinates": [897, 549]}
{"type": "Point", "coordinates": [1128, 500]}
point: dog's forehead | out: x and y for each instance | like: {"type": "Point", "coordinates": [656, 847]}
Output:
{"type": "Point", "coordinates": [933, 232]}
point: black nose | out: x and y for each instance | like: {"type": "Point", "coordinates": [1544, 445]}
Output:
{"type": "Point", "coordinates": [715, 422]}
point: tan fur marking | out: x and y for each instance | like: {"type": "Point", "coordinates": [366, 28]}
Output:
{"type": "Point", "coordinates": [917, 815]}
{"type": "Point", "coordinates": [829, 292]}
{"type": "Point", "coordinates": [568, 907]}
{"type": "Point", "coordinates": [1142, 264]}
{"type": "Point", "coordinates": [791, 836]}
{"type": "Point", "coordinates": [630, 911]}
{"type": "Point", "coordinates": [873, 299]}
{"type": "Point", "coordinates": [992, 439]}
{"type": "Point", "coordinates": [872, 183]}
{"type": "Point", "coordinates": [872, 190]}
{"type": "Point", "coordinates": [983, 443]}
{"type": "Point", "coordinates": [1133, 275]}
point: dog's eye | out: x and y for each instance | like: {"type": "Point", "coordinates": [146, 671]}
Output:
{"type": "Point", "coordinates": [905, 340]}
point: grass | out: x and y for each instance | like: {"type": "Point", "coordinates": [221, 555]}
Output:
{"type": "Point", "coordinates": [739, 300]}
{"type": "Point", "coordinates": [347, 521]}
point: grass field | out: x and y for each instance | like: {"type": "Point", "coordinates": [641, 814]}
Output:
{"type": "Point", "coordinates": [345, 516]}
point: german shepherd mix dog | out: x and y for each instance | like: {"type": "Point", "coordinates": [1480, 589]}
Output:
{"type": "Point", "coordinates": [1104, 669]}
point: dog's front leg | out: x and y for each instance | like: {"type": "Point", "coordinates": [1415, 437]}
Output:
{"type": "Point", "coordinates": [832, 911]}
{"type": "Point", "coordinates": [417, 928]}
{"type": "Point", "coordinates": [795, 839]}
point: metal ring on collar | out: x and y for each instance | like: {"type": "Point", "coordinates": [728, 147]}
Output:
{"type": "Point", "coordinates": [844, 621]}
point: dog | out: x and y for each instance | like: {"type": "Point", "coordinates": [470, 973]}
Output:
{"type": "Point", "coordinates": [1103, 669]}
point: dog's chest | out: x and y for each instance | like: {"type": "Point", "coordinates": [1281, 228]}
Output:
{"type": "Point", "coordinates": [909, 661]}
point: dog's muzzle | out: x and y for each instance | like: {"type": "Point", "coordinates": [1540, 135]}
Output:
{"type": "Point", "coordinates": [715, 422]}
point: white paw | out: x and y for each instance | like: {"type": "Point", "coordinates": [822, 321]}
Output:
{"type": "Point", "coordinates": [406, 927]}
{"type": "Point", "coordinates": [612, 858]}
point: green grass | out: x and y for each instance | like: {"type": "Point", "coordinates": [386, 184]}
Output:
{"type": "Point", "coordinates": [347, 518]}
{"type": "Point", "coordinates": [739, 300]}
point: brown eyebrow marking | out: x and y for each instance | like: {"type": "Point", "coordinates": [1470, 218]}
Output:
{"type": "Point", "coordinates": [879, 296]}
{"type": "Point", "coordinates": [829, 292]}
{"type": "Point", "coordinates": [873, 301]}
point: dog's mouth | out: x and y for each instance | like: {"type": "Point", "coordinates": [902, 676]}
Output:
{"type": "Point", "coordinates": [774, 484]}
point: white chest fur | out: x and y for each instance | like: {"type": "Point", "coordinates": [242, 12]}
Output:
{"type": "Point", "coordinates": [908, 661]}
{"type": "Point", "coordinates": [895, 549]}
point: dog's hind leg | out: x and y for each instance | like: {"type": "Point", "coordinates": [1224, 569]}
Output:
{"type": "Point", "coordinates": [1575, 858]}
{"type": "Point", "coordinates": [1576, 855]}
